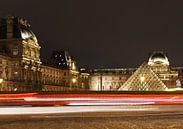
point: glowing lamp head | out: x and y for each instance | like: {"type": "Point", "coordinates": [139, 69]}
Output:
{"type": "Point", "coordinates": [74, 80]}
{"type": "Point", "coordinates": [1, 80]}
{"type": "Point", "coordinates": [15, 89]}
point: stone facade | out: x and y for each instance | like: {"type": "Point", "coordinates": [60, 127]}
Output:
{"type": "Point", "coordinates": [21, 52]}
{"type": "Point", "coordinates": [21, 68]}
{"type": "Point", "coordinates": [55, 79]}
{"type": "Point", "coordinates": [108, 79]}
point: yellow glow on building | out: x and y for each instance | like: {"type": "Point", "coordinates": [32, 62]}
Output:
{"type": "Point", "coordinates": [73, 66]}
{"type": "Point", "coordinates": [1, 80]}
{"type": "Point", "coordinates": [142, 78]}
{"type": "Point", "coordinates": [74, 80]}
{"type": "Point", "coordinates": [175, 89]}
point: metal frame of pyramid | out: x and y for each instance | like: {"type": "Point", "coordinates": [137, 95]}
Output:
{"type": "Point", "coordinates": [143, 79]}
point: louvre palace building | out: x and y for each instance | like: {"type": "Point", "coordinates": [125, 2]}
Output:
{"type": "Point", "coordinates": [153, 75]}
{"type": "Point", "coordinates": [21, 68]}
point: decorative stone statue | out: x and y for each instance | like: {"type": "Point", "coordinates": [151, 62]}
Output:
{"type": "Point", "coordinates": [178, 83]}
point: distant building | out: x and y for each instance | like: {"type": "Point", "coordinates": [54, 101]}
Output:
{"type": "Point", "coordinates": [160, 65]}
{"type": "Point", "coordinates": [109, 79]}
{"type": "Point", "coordinates": [84, 78]}
{"type": "Point", "coordinates": [156, 75]}
{"type": "Point", "coordinates": [61, 73]}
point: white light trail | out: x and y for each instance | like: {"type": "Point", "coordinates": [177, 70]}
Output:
{"type": "Point", "coordinates": [95, 103]}
{"type": "Point", "coordinates": [76, 109]}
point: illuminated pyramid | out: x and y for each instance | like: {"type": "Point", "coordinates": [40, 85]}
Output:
{"type": "Point", "coordinates": [143, 79]}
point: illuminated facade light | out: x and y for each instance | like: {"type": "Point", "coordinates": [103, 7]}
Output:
{"type": "Point", "coordinates": [15, 73]}
{"type": "Point", "coordinates": [1, 80]}
{"type": "Point", "coordinates": [74, 80]}
{"type": "Point", "coordinates": [142, 78]}
{"type": "Point", "coordinates": [15, 89]}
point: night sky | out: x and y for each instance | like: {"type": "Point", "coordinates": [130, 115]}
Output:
{"type": "Point", "coordinates": [104, 33]}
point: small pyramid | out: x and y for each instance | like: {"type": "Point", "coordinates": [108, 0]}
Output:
{"type": "Point", "coordinates": [143, 79]}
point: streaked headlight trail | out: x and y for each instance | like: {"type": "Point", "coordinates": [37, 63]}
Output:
{"type": "Point", "coordinates": [34, 103]}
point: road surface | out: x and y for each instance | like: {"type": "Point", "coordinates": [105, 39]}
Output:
{"type": "Point", "coordinates": [100, 111]}
{"type": "Point", "coordinates": [92, 117]}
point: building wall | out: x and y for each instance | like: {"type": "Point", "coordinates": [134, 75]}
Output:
{"type": "Point", "coordinates": [112, 79]}
{"type": "Point", "coordinates": [166, 74]}
{"type": "Point", "coordinates": [83, 81]}
{"type": "Point", "coordinates": [14, 76]}
{"type": "Point", "coordinates": [56, 79]}
{"type": "Point", "coordinates": [108, 79]}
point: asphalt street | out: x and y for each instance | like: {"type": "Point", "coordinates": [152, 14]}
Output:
{"type": "Point", "coordinates": [92, 117]}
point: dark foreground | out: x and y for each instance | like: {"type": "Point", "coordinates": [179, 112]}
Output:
{"type": "Point", "coordinates": [120, 122]}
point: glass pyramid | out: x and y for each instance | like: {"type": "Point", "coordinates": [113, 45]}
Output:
{"type": "Point", "coordinates": [143, 79]}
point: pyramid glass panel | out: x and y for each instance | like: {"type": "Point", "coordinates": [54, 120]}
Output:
{"type": "Point", "coordinates": [143, 79]}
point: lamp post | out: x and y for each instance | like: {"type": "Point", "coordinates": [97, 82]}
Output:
{"type": "Point", "coordinates": [101, 87]}
{"type": "Point", "coordinates": [1, 81]}
{"type": "Point", "coordinates": [74, 80]}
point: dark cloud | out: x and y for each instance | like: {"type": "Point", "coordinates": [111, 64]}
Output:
{"type": "Point", "coordinates": [104, 33]}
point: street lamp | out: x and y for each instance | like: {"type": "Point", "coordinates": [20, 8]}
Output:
{"type": "Point", "coordinates": [74, 80]}
{"type": "Point", "coordinates": [1, 80]}
{"type": "Point", "coordinates": [15, 89]}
